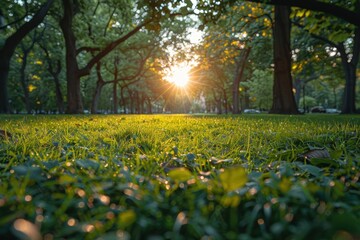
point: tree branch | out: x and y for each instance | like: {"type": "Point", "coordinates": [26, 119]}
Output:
{"type": "Point", "coordinates": [27, 27]}
{"type": "Point", "coordinates": [340, 12]}
{"type": "Point", "coordinates": [86, 70]}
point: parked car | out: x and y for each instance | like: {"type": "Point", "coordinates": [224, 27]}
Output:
{"type": "Point", "coordinates": [251, 111]}
{"type": "Point", "coordinates": [332, 110]}
{"type": "Point", "coordinates": [318, 109]}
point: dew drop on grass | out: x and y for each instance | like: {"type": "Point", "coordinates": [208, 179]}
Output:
{"type": "Point", "coordinates": [28, 198]}
{"type": "Point", "coordinates": [71, 222]}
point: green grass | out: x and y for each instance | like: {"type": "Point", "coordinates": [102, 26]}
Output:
{"type": "Point", "coordinates": [179, 177]}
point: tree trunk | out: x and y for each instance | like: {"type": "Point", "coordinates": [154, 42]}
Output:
{"type": "Point", "coordinates": [122, 99]}
{"type": "Point", "coordinates": [24, 81]}
{"type": "Point", "coordinates": [74, 101]}
{"type": "Point", "coordinates": [349, 68]}
{"type": "Point", "coordinates": [4, 72]}
{"type": "Point", "coordinates": [96, 96]}
{"type": "Point", "coordinates": [283, 97]}
{"type": "Point", "coordinates": [8, 49]}
{"type": "Point", "coordinates": [59, 95]}
{"type": "Point", "coordinates": [54, 72]}
{"type": "Point", "coordinates": [115, 97]}
{"type": "Point", "coordinates": [116, 81]}
{"type": "Point", "coordinates": [225, 102]}
{"type": "Point", "coordinates": [348, 106]}
{"type": "Point", "coordinates": [240, 66]}
{"type": "Point", "coordinates": [99, 85]}
{"type": "Point", "coordinates": [148, 106]}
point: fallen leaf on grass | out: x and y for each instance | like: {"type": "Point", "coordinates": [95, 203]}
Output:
{"type": "Point", "coordinates": [215, 161]}
{"type": "Point", "coordinates": [316, 153]}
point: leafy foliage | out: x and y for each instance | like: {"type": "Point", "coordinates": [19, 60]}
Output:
{"type": "Point", "coordinates": [90, 177]}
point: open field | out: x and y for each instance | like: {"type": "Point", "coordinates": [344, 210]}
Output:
{"type": "Point", "coordinates": [180, 177]}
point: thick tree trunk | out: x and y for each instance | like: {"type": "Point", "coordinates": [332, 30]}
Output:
{"type": "Point", "coordinates": [348, 106]}
{"type": "Point", "coordinates": [283, 97]}
{"type": "Point", "coordinates": [74, 101]}
{"type": "Point", "coordinates": [240, 66]}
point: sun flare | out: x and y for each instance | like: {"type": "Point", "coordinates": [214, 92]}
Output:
{"type": "Point", "coordinates": [179, 75]}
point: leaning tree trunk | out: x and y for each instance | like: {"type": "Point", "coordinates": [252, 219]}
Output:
{"type": "Point", "coordinates": [240, 66]}
{"type": "Point", "coordinates": [283, 97]}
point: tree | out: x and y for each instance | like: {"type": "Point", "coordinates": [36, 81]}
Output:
{"type": "Point", "coordinates": [283, 97]}
{"type": "Point", "coordinates": [260, 88]}
{"type": "Point", "coordinates": [8, 48]}
{"type": "Point", "coordinates": [350, 14]}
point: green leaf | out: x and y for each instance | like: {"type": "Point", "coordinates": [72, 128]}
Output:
{"type": "Point", "coordinates": [180, 174]}
{"type": "Point", "coordinates": [233, 178]}
{"type": "Point", "coordinates": [336, 154]}
{"type": "Point", "coordinates": [87, 163]}
{"type": "Point", "coordinates": [51, 164]}
{"type": "Point", "coordinates": [33, 172]}
{"type": "Point", "coordinates": [313, 170]}
{"type": "Point", "coordinates": [323, 162]}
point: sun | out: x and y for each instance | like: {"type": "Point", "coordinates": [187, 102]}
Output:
{"type": "Point", "coordinates": [179, 75]}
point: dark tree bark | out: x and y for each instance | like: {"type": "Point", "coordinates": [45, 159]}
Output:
{"type": "Point", "coordinates": [283, 97]}
{"type": "Point", "coordinates": [240, 66]}
{"type": "Point", "coordinates": [8, 49]}
{"type": "Point", "coordinates": [74, 101]}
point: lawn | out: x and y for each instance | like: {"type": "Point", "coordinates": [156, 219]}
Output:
{"type": "Point", "coordinates": [180, 177]}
